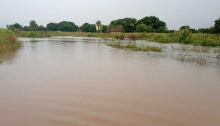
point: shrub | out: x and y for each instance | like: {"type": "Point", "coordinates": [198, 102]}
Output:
{"type": "Point", "coordinates": [8, 41]}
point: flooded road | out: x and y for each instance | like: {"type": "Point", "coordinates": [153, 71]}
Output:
{"type": "Point", "coordinates": [65, 81]}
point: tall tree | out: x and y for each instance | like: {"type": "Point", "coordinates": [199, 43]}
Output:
{"type": "Point", "coordinates": [33, 25]}
{"type": "Point", "coordinates": [153, 21]}
{"type": "Point", "coordinates": [42, 28]}
{"type": "Point", "coordinates": [217, 26]}
{"type": "Point", "coordinates": [104, 28]}
{"type": "Point", "coordinates": [52, 26]}
{"type": "Point", "coordinates": [128, 24]}
{"type": "Point", "coordinates": [17, 25]}
{"type": "Point", "coordinates": [67, 26]}
{"type": "Point", "coordinates": [184, 27]}
{"type": "Point", "coordinates": [99, 25]}
{"type": "Point", "coordinates": [86, 27]}
{"type": "Point", "coordinates": [143, 28]}
{"type": "Point", "coordinates": [14, 26]}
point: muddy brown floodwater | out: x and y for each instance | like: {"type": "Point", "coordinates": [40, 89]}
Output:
{"type": "Point", "coordinates": [65, 81]}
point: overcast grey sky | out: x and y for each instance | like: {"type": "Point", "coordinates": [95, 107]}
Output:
{"type": "Point", "coordinates": [176, 13]}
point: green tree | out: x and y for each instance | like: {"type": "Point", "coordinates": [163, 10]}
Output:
{"type": "Point", "coordinates": [41, 28]}
{"type": "Point", "coordinates": [132, 26]}
{"type": "Point", "coordinates": [128, 24]}
{"type": "Point", "coordinates": [33, 25]}
{"type": "Point", "coordinates": [153, 21]}
{"type": "Point", "coordinates": [67, 26]}
{"type": "Point", "coordinates": [17, 25]}
{"type": "Point", "coordinates": [26, 28]}
{"type": "Point", "coordinates": [119, 26]}
{"type": "Point", "coordinates": [207, 30]}
{"type": "Point", "coordinates": [104, 28]}
{"type": "Point", "coordinates": [111, 25]}
{"type": "Point", "coordinates": [161, 30]}
{"type": "Point", "coordinates": [99, 25]}
{"type": "Point", "coordinates": [184, 27]}
{"type": "Point", "coordinates": [217, 26]}
{"type": "Point", "coordinates": [86, 27]}
{"type": "Point", "coordinates": [52, 26]}
{"type": "Point", "coordinates": [143, 28]}
{"type": "Point", "coordinates": [14, 26]}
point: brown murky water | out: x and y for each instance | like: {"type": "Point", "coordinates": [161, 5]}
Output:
{"type": "Point", "coordinates": [64, 81]}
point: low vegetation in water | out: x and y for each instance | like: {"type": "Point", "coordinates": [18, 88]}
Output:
{"type": "Point", "coordinates": [133, 46]}
{"type": "Point", "coordinates": [8, 41]}
{"type": "Point", "coordinates": [199, 59]}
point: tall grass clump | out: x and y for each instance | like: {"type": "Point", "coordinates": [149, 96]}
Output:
{"type": "Point", "coordinates": [8, 41]}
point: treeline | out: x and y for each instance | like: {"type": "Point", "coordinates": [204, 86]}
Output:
{"type": "Point", "coordinates": [65, 26]}
{"type": "Point", "coordinates": [147, 24]}
{"type": "Point", "coordinates": [33, 26]}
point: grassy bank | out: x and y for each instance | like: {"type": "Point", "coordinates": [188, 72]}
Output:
{"type": "Point", "coordinates": [8, 41]}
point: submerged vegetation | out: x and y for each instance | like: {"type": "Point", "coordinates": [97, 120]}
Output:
{"type": "Point", "coordinates": [131, 45]}
{"type": "Point", "coordinates": [8, 41]}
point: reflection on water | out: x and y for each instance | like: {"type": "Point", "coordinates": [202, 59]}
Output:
{"type": "Point", "coordinates": [8, 57]}
{"type": "Point", "coordinates": [65, 81]}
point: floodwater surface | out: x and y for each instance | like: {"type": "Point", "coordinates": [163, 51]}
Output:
{"type": "Point", "coordinates": [66, 81]}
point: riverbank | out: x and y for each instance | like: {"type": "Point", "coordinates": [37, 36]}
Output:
{"type": "Point", "coordinates": [184, 36]}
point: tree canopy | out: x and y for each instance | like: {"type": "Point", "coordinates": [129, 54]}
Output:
{"type": "Point", "coordinates": [33, 25]}
{"type": "Point", "coordinates": [128, 24]}
{"type": "Point", "coordinates": [52, 26]}
{"type": "Point", "coordinates": [184, 27]}
{"type": "Point", "coordinates": [153, 21]}
{"type": "Point", "coordinates": [67, 26]}
{"type": "Point", "coordinates": [13, 26]}
{"type": "Point", "coordinates": [217, 26]}
{"type": "Point", "coordinates": [143, 28]}
{"type": "Point", "coordinates": [104, 28]}
{"type": "Point", "coordinates": [86, 27]}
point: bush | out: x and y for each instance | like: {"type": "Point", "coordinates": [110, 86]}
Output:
{"type": "Point", "coordinates": [8, 41]}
